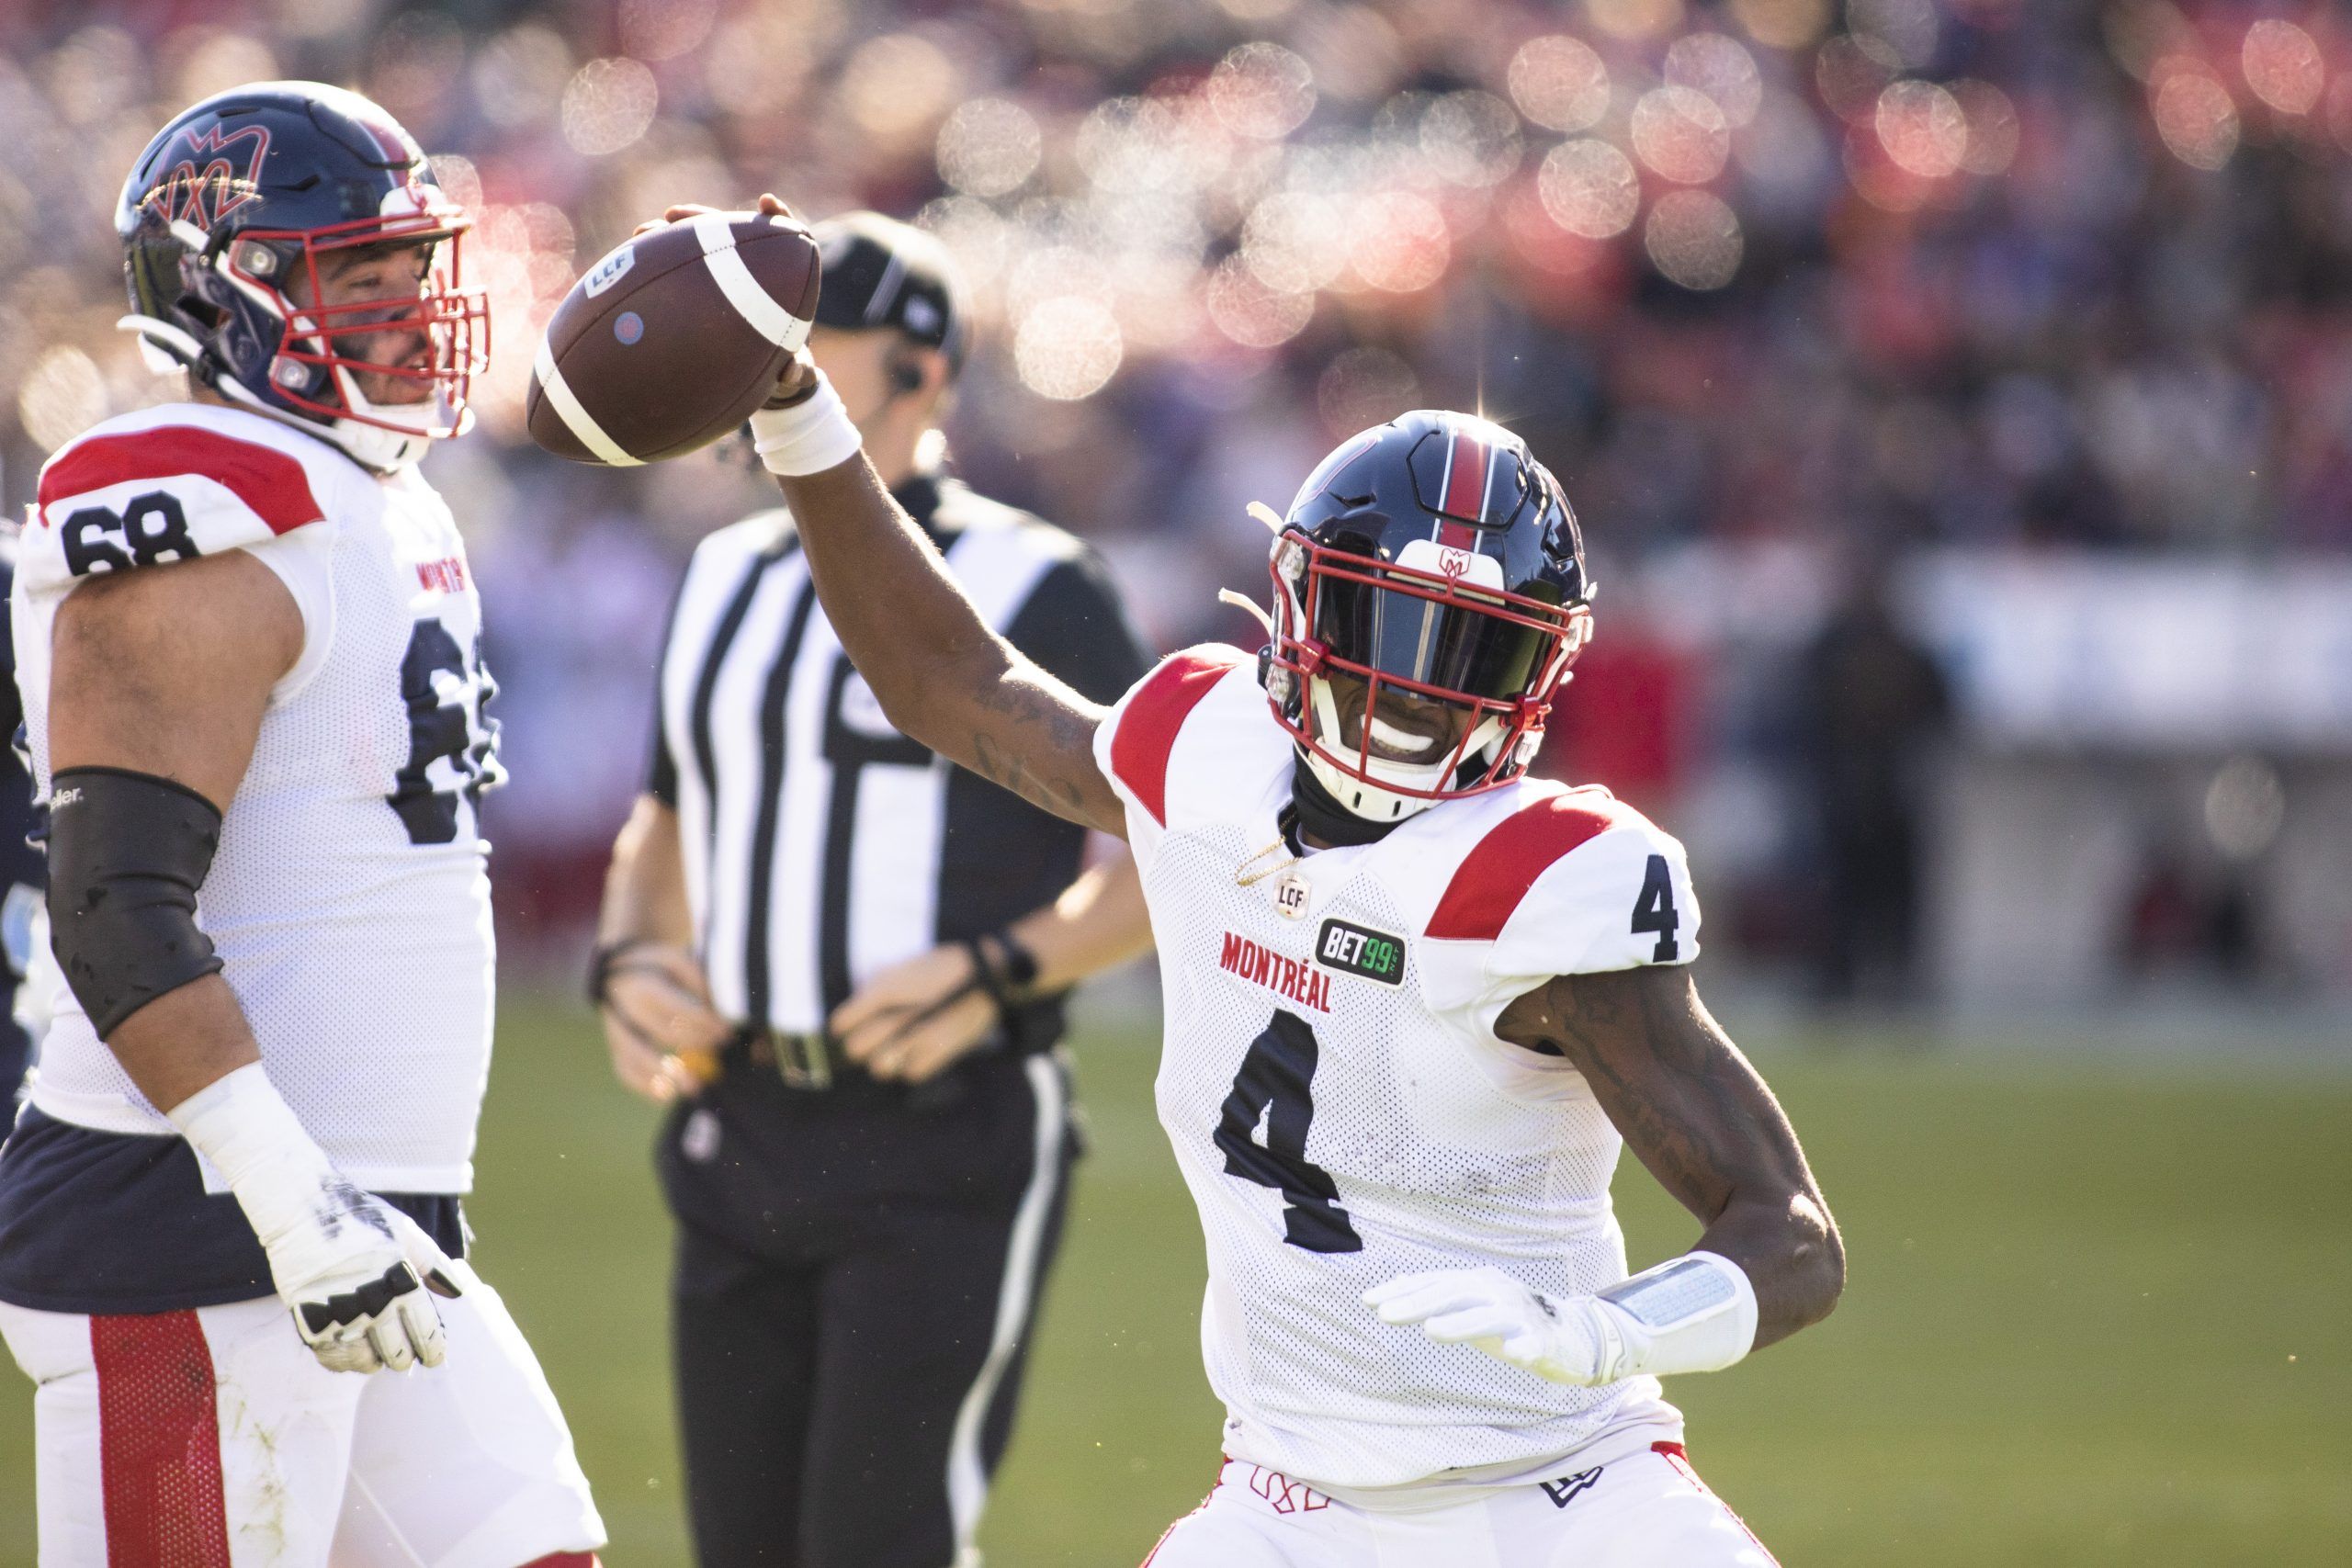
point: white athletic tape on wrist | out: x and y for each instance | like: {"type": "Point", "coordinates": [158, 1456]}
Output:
{"type": "Point", "coordinates": [245, 1127]}
{"type": "Point", "coordinates": [1691, 1313]}
{"type": "Point", "coordinates": [811, 436]}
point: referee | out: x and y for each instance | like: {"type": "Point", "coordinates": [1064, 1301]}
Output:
{"type": "Point", "coordinates": [843, 959]}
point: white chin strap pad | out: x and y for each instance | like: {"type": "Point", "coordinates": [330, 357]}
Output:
{"type": "Point", "coordinates": [1370, 800]}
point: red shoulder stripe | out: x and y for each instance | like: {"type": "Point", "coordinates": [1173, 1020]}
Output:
{"type": "Point", "coordinates": [1494, 875]}
{"type": "Point", "coordinates": [1148, 727]}
{"type": "Point", "coordinates": [264, 479]}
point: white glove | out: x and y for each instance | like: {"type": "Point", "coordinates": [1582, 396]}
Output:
{"type": "Point", "coordinates": [1692, 1314]}
{"type": "Point", "coordinates": [351, 1267]}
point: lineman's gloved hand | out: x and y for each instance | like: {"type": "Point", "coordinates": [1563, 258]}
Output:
{"type": "Point", "coordinates": [1691, 1313]}
{"type": "Point", "coordinates": [353, 1269]}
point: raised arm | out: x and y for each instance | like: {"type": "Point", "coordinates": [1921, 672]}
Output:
{"type": "Point", "coordinates": [939, 672]}
{"type": "Point", "coordinates": [1704, 1122]}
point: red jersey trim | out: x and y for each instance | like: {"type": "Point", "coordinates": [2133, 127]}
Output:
{"type": "Point", "coordinates": [270, 483]}
{"type": "Point", "coordinates": [159, 1443]}
{"type": "Point", "coordinates": [1494, 875]}
{"type": "Point", "coordinates": [1148, 727]}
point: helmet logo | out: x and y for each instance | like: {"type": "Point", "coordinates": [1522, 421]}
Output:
{"type": "Point", "coordinates": [1454, 563]}
{"type": "Point", "coordinates": [212, 177]}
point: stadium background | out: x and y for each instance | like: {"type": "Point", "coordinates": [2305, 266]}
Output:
{"type": "Point", "coordinates": [2028, 323]}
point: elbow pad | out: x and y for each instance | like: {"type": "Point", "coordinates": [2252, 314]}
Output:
{"type": "Point", "coordinates": [127, 852]}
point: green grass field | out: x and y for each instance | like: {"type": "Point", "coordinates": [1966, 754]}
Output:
{"type": "Point", "coordinates": [2098, 1314]}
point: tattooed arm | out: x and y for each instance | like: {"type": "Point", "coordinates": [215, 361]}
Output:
{"type": "Point", "coordinates": [1705, 1124]}
{"type": "Point", "coordinates": [938, 670]}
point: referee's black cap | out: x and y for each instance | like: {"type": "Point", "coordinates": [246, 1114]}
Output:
{"type": "Point", "coordinates": [881, 272]}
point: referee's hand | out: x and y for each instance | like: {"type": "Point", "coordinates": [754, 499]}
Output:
{"type": "Point", "coordinates": [913, 1020]}
{"type": "Point", "coordinates": [658, 1025]}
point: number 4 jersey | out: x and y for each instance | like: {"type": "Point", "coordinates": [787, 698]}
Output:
{"type": "Point", "coordinates": [349, 899]}
{"type": "Point", "coordinates": [1339, 1101]}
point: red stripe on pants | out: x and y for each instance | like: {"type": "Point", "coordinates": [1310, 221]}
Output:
{"type": "Point", "coordinates": [159, 1443]}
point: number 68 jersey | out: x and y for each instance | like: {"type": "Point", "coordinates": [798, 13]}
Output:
{"type": "Point", "coordinates": [1340, 1103]}
{"type": "Point", "coordinates": [349, 898]}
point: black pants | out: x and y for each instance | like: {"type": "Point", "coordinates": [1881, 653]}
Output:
{"type": "Point", "coordinates": [856, 1283]}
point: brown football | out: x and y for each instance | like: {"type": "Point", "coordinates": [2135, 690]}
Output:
{"type": "Point", "coordinates": [672, 339]}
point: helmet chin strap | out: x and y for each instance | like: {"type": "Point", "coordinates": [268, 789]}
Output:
{"type": "Point", "coordinates": [1324, 816]}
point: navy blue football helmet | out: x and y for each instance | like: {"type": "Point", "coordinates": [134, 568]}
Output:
{"type": "Point", "coordinates": [223, 220]}
{"type": "Point", "coordinates": [1432, 557]}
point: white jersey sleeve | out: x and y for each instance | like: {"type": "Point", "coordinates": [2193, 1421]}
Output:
{"type": "Point", "coordinates": [164, 485]}
{"type": "Point", "coordinates": [1136, 742]}
{"type": "Point", "coordinates": [1574, 883]}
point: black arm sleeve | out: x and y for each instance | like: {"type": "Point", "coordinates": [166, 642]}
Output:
{"type": "Point", "coordinates": [127, 852]}
{"type": "Point", "coordinates": [1074, 624]}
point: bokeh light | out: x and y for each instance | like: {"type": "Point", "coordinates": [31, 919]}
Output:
{"type": "Point", "coordinates": [1263, 90]}
{"type": "Point", "coordinates": [518, 77]}
{"type": "Point", "coordinates": [608, 105]}
{"type": "Point", "coordinates": [664, 30]}
{"type": "Point", "coordinates": [1365, 387]}
{"type": "Point", "coordinates": [1068, 348]}
{"type": "Point", "coordinates": [988, 147]}
{"type": "Point", "coordinates": [221, 60]}
{"type": "Point", "coordinates": [1851, 71]}
{"type": "Point", "coordinates": [2282, 65]}
{"type": "Point", "coordinates": [896, 87]}
{"type": "Point", "coordinates": [1250, 313]}
{"type": "Point", "coordinates": [1909, 28]}
{"type": "Point", "coordinates": [1922, 128]}
{"type": "Point", "coordinates": [1590, 189]}
{"type": "Point", "coordinates": [1693, 238]}
{"type": "Point", "coordinates": [1992, 126]}
{"type": "Point", "coordinates": [1471, 139]}
{"type": "Point", "coordinates": [1400, 243]}
{"type": "Point", "coordinates": [1297, 242]}
{"type": "Point", "coordinates": [2245, 805]}
{"type": "Point", "coordinates": [1634, 19]}
{"type": "Point", "coordinates": [1559, 83]}
{"type": "Point", "coordinates": [61, 396]}
{"type": "Point", "coordinates": [2195, 115]}
{"type": "Point", "coordinates": [1722, 69]}
{"type": "Point", "coordinates": [1680, 134]}
{"type": "Point", "coordinates": [1781, 24]}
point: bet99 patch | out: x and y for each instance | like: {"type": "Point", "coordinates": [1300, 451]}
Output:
{"type": "Point", "coordinates": [1359, 950]}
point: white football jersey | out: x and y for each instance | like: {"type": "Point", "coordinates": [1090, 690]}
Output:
{"type": "Point", "coordinates": [1338, 1098]}
{"type": "Point", "coordinates": [350, 900]}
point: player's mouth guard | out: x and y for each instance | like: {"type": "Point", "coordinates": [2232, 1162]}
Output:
{"type": "Point", "coordinates": [1691, 1313]}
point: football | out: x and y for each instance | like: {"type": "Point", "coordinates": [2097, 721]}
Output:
{"type": "Point", "coordinates": [673, 338]}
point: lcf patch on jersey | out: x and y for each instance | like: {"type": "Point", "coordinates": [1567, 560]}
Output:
{"type": "Point", "coordinates": [1336, 1094]}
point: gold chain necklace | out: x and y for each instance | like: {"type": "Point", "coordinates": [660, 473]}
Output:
{"type": "Point", "coordinates": [1245, 877]}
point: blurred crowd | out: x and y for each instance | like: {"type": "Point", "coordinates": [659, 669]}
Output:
{"type": "Point", "coordinates": [1787, 282]}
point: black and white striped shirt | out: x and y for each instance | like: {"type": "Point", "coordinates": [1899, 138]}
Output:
{"type": "Point", "coordinates": [820, 845]}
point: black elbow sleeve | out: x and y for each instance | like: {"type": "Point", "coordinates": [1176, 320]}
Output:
{"type": "Point", "coordinates": [127, 852]}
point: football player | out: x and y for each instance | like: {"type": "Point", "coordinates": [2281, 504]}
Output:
{"type": "Point", "coordinates": [249, 649]}
{"type": "Point", "coordinates": [1415, 1000]}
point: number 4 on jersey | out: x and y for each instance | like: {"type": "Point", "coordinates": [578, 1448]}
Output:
{"type": "Point", "coordinates": [1276, 1081]}
{"type": "Point", "coordinates": [1653, 910]}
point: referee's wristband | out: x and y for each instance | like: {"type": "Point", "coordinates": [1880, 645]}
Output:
{"type": "Point", "coordinates": [808, 437]}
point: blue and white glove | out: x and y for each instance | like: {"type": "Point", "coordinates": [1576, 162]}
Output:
{"type": "Point", "coordinates": [353, 1269]}
{"type": "Point", "coordinates": [1692, 1314]}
